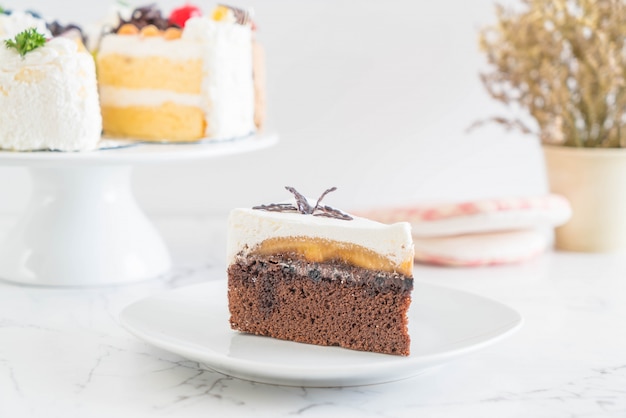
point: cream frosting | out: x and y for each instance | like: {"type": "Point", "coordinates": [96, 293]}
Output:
{"type": "Point", "coordinates": [249, 227]}
{"type": "Point", "coordinates": [227, 91]}
{"type": "Point", "coordinates": [152, 46]}
{"type": "Point", "coordinates": [120, 97]}
{"type": "Point", "coordinates": [228, 86]}
{"type": "Point", "coordinates": [17, 21]}
{"type": "Point", "coordinates": [49, 98]}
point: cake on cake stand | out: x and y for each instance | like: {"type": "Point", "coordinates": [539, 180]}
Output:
{"type": "Point", "coordinates": [82, 225]}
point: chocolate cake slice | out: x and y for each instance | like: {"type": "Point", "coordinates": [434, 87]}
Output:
{"type": "Point", "coordinates": [313, 274]}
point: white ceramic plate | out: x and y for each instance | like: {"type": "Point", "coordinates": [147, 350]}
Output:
{"type": "Point", "coordinates": [193, 322]}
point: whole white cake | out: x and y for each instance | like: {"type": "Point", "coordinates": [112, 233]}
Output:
{"type": "Point", "coordinates": [48, 98]}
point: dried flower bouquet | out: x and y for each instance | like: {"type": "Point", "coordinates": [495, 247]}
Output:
{"type": "Point", "coordinates": [564, 62]}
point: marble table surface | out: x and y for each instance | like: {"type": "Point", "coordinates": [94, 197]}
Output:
{"type": "Point", "coordinates": [63, 354]}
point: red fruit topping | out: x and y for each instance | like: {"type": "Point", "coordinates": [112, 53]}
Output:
{"type": "Point", "coordinates": [181, 15]}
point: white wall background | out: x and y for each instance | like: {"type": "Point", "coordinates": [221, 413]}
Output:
{"type": "Point", "coordinates": [373, 97]}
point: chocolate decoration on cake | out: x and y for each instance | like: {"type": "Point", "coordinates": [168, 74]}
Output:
{"type": "Point", "coordinates": [305, 208]}
{"type": "Point", "coordinates": [242, 16]}
{"type": "Point", "coordinates": [58, 29]}
{"type": "Point", "coordinates": [144, 16]}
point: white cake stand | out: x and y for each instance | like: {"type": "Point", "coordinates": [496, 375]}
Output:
{"type": "Point", "coordinates": [82, 225]}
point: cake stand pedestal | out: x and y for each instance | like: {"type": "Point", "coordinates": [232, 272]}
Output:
{"type": "Point", "coordinates": [82, 226]}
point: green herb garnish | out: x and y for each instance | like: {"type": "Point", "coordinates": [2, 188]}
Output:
{"type": "Point", "coordinates": [26, 41]}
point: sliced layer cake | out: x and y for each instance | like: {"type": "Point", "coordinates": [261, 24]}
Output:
{"type": "Point", "coordinates": [161, 82]}
{"type": "Point", "coordinates": [309, 273]}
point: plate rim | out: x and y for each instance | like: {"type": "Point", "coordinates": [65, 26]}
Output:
{"type": "Point", "coordinates": [258, 371]}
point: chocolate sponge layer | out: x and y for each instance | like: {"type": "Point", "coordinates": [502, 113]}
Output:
{"type": "Point", "coordinates": [320, 303]}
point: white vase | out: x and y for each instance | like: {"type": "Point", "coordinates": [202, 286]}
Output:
{"type": "Point", "coordinates": [594, 181]}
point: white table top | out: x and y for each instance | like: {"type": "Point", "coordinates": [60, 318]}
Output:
{"type": "Point", "coordinates": [63, 354]}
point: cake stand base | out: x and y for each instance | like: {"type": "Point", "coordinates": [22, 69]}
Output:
{"type": "Point", "coordinates": [82, 227]}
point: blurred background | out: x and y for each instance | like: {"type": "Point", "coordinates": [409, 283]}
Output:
{"type": "Point", "coordinates": [372, 97]}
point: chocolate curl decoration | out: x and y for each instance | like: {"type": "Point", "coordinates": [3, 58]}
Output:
{"type": "Point", "coordinates": [242, 16]}
{"type": "Point", "coordinates": [303, 204]}
{"type": "Point", "coordinates": [147, 15]}
{"type": "Point", "coordinates": [305, 208]}
{"type": "Point", "coordinates": [58, 29]}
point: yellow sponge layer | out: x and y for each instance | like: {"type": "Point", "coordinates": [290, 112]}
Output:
{"type": "Point", "coordinates": [169, 121]}
{"type": "Point", "coordinates": [150, 73]}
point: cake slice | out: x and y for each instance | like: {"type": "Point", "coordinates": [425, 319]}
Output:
{"type": "Point", "coordinates": [310, 273]}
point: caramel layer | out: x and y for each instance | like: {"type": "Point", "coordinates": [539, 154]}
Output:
{"type": "Point", "coordinates": [321, 250]}
{"type": "Point", "coordinates": [150, 73]}
{"type": "Point", "coordinates": [168, 121]}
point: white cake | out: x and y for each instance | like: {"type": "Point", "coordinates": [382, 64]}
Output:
{"type": "Point", "coordinates": [49, 98]}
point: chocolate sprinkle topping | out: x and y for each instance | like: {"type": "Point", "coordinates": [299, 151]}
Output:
{"type": "Point", "coordinates": [305, 208]}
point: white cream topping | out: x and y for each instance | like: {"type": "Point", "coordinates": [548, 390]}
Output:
{"type": "Point", "coordinates": [16, 22]}
{"type": "Point", "coordinates": [249, 227]}
{"type": "Point", "coordinates": [49, 98]}
{"type": "Point", "coordinates": [54, 50]}
{"type": "Point", "coordinates": [227, 91]}
{"type": "Point", "coordinates": [150, 46]}
{"type": "Point", "coordinates": [228, 85]}
{"type": "Point", "coordinates": [122, 97]}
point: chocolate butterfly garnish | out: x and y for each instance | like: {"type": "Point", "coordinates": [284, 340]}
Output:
{"type": "Point", "coordinates": [304, 207]}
